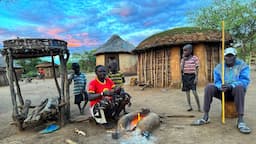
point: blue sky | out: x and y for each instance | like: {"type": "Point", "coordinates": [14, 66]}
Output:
{"type": "Point", "coordinates": [87, 24]}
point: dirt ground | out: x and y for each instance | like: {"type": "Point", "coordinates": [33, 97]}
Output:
{"type": "Point", "coordinates": [168, 101]}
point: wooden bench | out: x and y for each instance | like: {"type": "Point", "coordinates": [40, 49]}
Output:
{"type": "Point", "coordinates": [230, 109]}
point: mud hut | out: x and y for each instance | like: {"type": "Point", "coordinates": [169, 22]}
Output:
{"type": "Point", "coordinates": [3, 76]}
{"type": "Point", "coordinates": [159, 55]}
{"type": "Point", "coordinates": [48, 68]}
{"type": "Point", "coordinates": [120, 51]}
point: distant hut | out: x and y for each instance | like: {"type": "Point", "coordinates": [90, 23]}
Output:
{"type": "Point", "coordinates": [47, 67]}
{"type": "Point", "coordinates": [159, 55]}
{"type": "Point", "coordinates": [120, 51]}
{"type": "Point", "coordinates": [3, 76]}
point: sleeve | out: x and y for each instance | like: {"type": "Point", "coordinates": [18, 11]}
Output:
{"type": "Point", "coordinates": [217, 77]}
{"type": "Point", "coordinates": [92, 87]}
{"type": "Point", "coordinates": [243, 79]}
{"type": "Point", "coordinates": [111, 83]}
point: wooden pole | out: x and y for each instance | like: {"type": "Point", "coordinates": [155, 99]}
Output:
{"type": "Point", "coordinates": [151, 67]}
{"type": "Point", "coordinates": [223, 76]}
{"type": "Point", "coordinates": [162, 59]}
{"type": "Point", "coordinates": [166, 68]}
{"type": "Point", "coordinates": [55, 77]}
{"type": "Point", "coordinates": [9, 61]}
{"type": "Point", "coordinates": [18, 88]}
{"type": "Point", "coordinates": [67, 87]}
{"type": "Point", "coordinates": [62, 89]}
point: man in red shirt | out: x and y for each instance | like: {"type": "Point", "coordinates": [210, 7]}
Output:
{"type": "Point", "coordinates": [101, 92]}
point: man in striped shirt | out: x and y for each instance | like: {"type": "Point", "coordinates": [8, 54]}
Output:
{"type": "Point", "coordinates": [189, 71]}
{"type": "Point", "coordinates": [79, 90]}
{"type": "Point", "coordinates": [116, 76]}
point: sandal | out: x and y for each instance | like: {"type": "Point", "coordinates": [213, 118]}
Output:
{"type": "Point", "coordinates": [200, 122]}
{"type": "Point", "coordinates": [243, 128]}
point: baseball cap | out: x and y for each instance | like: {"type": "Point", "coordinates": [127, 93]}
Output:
{"type": "Point", "coordinates": [230, 50]}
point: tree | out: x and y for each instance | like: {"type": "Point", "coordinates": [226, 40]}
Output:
{"type": "Point", "coordinates": [239, 18]}
{"type": "Point", "coordinates": [86, 60]}
{"type": "Point", "coordinates": [29, 65]}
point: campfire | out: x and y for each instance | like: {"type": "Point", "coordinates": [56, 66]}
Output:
{"type": "Point", "coordinates": [142, 122]}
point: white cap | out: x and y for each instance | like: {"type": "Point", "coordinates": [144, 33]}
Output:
{"type": "Point", "coordinates": [230, 50]}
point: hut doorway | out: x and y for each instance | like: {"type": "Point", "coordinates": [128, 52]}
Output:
{"type": "Point", "coordinates": [112, 58]}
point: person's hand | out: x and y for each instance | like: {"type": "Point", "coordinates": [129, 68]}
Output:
{"type": "Point", "coordinates": [195, 80]}
{"type": "Point", "coordinates": [107, 93]}
{"type": "Point", "coordinates": [226, 87]}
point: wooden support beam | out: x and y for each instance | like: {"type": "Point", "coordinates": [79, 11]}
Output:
{"type": "Point", "coordinates": [62, 109]}
{"type": "Point", "coordinates": [55, 77]}
{"type": "Point", "coordinates": [9, 61]}
{"type": "Point", "coordinates": [67, 87]}
{"type": "Point", "coordinates": [18, 88]}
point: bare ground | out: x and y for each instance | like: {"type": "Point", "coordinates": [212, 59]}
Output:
{"type": "Point", "coordinates": [168, 101]}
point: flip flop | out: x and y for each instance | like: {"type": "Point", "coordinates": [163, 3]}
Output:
{"type": "Point", "coordinates": [243, 128]}
{"type": "Point", "coordinates": [49, 129]}
{"type": "Point", "coordinates": [200, 122]}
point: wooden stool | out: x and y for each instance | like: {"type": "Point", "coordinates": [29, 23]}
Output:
{"type": "Point", "coordinates": [230, 109]}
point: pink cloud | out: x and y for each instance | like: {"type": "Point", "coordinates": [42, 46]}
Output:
{"type": "Point", "coordinates": [124, 11]}
{"type": "Point", "coordinates": [50, 31]}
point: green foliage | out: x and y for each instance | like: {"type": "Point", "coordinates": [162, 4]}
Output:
{"type": "Point", "coordinates": [239, 18]}
{"type": "Point", "coordinates": [86, 60]}
{"type": "Point", "coordinates": [29, 65]}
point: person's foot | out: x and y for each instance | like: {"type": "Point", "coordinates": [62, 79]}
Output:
{"type": "Point", "coordinates": [190, 109]}
{"type": "Point", "coordinates": [81, 112]}
{"type": "Point", "coordinates": [108, 125]}
{"type": "Point", "coordinates": [243, 128]}
{"type": "Point", "coordinates": [200, 122]}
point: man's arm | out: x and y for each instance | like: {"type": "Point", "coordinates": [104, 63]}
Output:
{"type": "Point", "coordinates": [244, 78]}
{"type": "Point", "coordinates": [217, 78]}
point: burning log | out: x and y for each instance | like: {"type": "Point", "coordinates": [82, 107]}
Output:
{"type": "Point", "coordinates": [145, 121]}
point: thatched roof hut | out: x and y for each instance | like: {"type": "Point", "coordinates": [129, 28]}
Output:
{"type": "Point", "coordinates": [47, 67]}
{"type": "Point", "coordinates": [116, 49]}
{"type": "Point", "coordinates": [159, 55]}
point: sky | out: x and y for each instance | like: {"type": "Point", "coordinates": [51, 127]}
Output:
{"type": "Point", "coordinates": [87, 24]}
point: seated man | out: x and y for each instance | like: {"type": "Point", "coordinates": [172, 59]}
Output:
{"type": "Point", "coordinates": [102, 96]}
{"type": "Point", "coordinates": [237, 79]}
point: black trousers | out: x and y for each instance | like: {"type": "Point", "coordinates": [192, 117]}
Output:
{"type": "Point", "coordinates": [237, 95]}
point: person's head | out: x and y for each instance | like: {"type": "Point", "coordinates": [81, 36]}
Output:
{"type": "Point", "coordinates": [100, 72]}
{"type": "Point", "coordinates": [76, 68]}
{"type": "Point", "coordinates": [113, 67]}
{"type": "Point", "coordinates": [187, 50]}
{"type": "Point", "coordinates": [230, 56]}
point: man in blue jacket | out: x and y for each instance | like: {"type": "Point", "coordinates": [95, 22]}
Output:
{"type": "Point", "coordinates": [236, 81]}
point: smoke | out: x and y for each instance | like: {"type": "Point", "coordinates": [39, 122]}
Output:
{"type": "Point", "coordinates": [135, 137]}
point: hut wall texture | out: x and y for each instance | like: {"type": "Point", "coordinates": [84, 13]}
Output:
{"type": "Point", "coordinates": [175, 67]}
{"type": "Point", "coordinates": [128, 63]}
{"type": "Point", "coordinates": [3, 78]}
{"type": "Point", "coordinates": [49, 72]}
{"type": "Point", "coordinates": [153, 68]}
{"type": "Point", "coordinates": [100, 59]}
{"type": "Point", "coordinates": [200, 52]}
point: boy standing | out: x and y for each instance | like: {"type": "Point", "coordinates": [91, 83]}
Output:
{"type": "Point", "coordinates": [79, 90]}
{"type": "Point", "coordinates": [189, 71]}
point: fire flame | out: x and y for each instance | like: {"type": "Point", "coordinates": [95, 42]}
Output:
{"type": "Point", "coordinates": [135, 121]}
